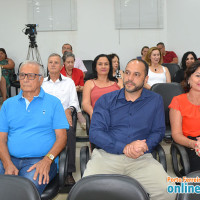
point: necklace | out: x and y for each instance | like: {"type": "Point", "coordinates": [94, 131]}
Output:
{"type": "Point", "coordinates": [155, 68]}
{"type": "Point", "coordinates": [68, 74]}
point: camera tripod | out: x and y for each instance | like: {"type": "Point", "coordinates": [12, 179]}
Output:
{"type": "Point", "coordinates": [33, 52]}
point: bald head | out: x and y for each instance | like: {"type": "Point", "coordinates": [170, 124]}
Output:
{"type": "Point", "coordinates": [146, 66]}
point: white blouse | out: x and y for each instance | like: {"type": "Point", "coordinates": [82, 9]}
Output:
{"type": "Point", "coordinates": [157, 77]}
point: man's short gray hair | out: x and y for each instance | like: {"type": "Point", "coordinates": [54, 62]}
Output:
{"type": "Point", "coordinates": [67, 55]}
{"type": "Point", "coordinates": [33, 62]}
{"type": "Point", "coordinates": [57, 55]}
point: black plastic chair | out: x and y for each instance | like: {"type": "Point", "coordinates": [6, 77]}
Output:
{"type": "Point", "coordinates": [173, 68]}
{"type": "Point", "coordinates": [58, 182]}
{"type": "Point", "coordinates": [190, 196]}
{"type": "Point", "coordinates": [17, 188]}
{"type": "Point", "coordinates": [14, 82]}
{"type": "Point", "coordinates": [180, 159]}
{"type": "Point", "coordinates": [107, 187]}
{"type": "Point", "coordinates": [167, 91]}
{"type": "Point", "coordinates": [88, 64]}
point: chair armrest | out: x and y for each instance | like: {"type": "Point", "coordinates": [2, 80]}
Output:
{"type": "Point", "coordinates": [159, 154]}
{"type": "Point", "coordinates": [63, 164]}
{"type": "Point", "coordinates": [87, 117]}
{"type": "Point", "coordinates": [179, 149]}
{"type": "Point", "coordinates": [74, 119]}
{"type": "Point", "coordinates": [84, 157]}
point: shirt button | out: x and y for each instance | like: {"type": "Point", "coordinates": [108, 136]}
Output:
{"type": "Point", "coordinates": [28, 110]}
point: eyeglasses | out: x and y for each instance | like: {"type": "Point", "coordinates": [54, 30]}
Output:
{"type": "Point", "coordinates": [30, 76]}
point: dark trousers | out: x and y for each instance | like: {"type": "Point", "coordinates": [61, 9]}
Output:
{"type": "Point", "coordinates": [193, 158]}
{"type": "Point", "coordinates": [71, 143]}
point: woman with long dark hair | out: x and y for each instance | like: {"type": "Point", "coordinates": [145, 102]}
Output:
{"type": "Point", "coordinates": [103, 82]}
{"type": "Point", "coordinates": [117, 73]}
{"type": "Point", "coordinates": [188, 58]}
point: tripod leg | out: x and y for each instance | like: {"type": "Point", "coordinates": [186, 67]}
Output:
{"type": "Point", "coordinates": [28, 54]}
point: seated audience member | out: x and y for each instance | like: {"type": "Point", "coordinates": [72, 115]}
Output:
{"type": "Point", "coordinates": [125, 136]}
{"type": "Point", "coordinates": [117, 73]}
{"type": "Point", "coordinates": [144, 51]}
{"type": "Point", "coordinates": [32, 129]}
{"type": "Point", "coordinates": [168, 56]}
{"type": "Point", "coordinates": [103, 83]}
{"type": "Point", "coordinates": [157, 73]}
{"type": "Point", "coordinates": [3, 88]}
{"type": "Point", "coordinates": [78, 62]}
{"type": "Point", "coordinates": [7, 67]}
{"type": "Point", "coordinates": [77, 76]}
{"type": "Point", "coordinates": [188, 58]}
{"type": "Point", "coordinates": [70, 71]}
{"type": "Point", "coordinates": [64, 89]}
{"type": "Point", "coordinates": [185, 116]}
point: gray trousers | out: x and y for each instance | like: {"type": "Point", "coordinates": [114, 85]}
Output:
{"type": "Point", "coordinates": [145, 169]}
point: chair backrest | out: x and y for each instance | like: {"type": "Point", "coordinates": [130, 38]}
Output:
{"type": "Point", "coordinates": [107, 187]}
{"type": "Point", "coordinates": [17, 188]}
{"type": "Point", "coordinates": [173, 68]}
{"type": "Point", "coordinates": [88, 65]}
{"type": "Point", "coordinates": [167, 91]}
{"type": "Point", "coordinates": [190, 196]}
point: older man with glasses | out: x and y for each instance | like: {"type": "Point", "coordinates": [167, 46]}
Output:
{"type": "Point", "coordinates": [32, 129]}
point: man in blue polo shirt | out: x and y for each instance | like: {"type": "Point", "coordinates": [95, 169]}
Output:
{"type": "Point", "coordinates": [126, 126]}
{"type": "Point", "coordinates": [32, 129]}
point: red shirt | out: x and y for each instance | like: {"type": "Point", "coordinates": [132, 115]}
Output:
{"type": "Point", "coordinates": [168, 58]}
{"type": "Point", "coordinates": [77, 76]}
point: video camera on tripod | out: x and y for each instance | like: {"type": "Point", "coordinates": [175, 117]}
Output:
{"type": "Point", "coordinates": [31, 31]}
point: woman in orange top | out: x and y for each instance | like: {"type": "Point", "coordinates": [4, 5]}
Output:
{"type": "Point", "coordinates": [185, 116]}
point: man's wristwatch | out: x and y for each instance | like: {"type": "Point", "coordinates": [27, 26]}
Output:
{"type": "Point", "coordinates": [50, 156]}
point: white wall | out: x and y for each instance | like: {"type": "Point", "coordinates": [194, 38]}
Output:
{"type": "Point", "coordinates": [96, 31]}
{"type": "Point", "coordinates": [183, 26]}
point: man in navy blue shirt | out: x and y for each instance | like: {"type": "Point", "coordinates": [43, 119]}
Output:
{"type": "Point", "coordinates": [126, 126]}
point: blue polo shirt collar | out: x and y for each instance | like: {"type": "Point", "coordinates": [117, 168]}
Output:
{"type": "Point", "coordinates": [145, 94]}
{"type": "Point", "coordinates": [41, 94]}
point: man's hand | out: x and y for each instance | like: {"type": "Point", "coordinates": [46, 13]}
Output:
{"type": "Point", "coordinates": [10, 169]}
{"type": "Point", "coordinates": [135, 149]}
{"type": "Point", "coordinates": [42, 170]}
{"type": "Point", "coordinates": [69, 116]}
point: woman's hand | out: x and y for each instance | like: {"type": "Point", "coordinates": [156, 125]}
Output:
{"type": "Point", "coordinates": [197, 147]}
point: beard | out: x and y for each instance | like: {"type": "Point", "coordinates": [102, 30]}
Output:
{"type": "Point", "coordinates": [135, 89]}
